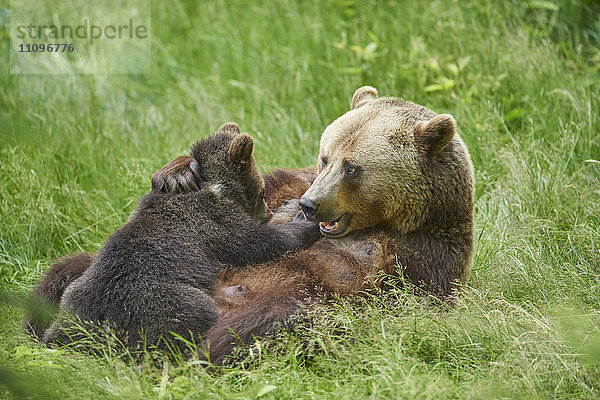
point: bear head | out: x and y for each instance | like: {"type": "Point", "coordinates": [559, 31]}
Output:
{"type": "Point", "coordinates": [388, 163]}
{"type": "Point", "coordinates": [223, 163]}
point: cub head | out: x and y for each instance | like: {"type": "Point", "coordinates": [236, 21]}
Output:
{"type": "Point", "coordinates": [226, 167]}
{"type": "Point", "coordinates": [379, 165]}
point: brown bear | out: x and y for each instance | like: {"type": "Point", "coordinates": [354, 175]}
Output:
{"type": "Point", "coordinates": [177, 176]}
{"type": "Point", "coordinates": [156, 274]}
{"type": "Point", "coordinates": [401, 168]}
{"type": "Point", "coordinates": [42, 304]}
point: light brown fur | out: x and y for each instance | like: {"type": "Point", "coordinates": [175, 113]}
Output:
{"type": "Point", "coordinates": [414, 182]}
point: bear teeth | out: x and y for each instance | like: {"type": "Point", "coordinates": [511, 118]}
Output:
{"type": "Point", "coordinates": [330, 226]}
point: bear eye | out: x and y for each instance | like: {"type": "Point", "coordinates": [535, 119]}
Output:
{"type": "Point", "coordinates": [350, 169]}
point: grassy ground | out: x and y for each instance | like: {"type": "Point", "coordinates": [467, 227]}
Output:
{"type": "Point", "coordinates": [522, 80]}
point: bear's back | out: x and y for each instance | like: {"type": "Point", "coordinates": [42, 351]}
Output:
{"type": "Point", "coordinates": [168, 241]}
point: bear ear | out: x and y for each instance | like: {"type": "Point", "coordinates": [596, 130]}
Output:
{"type": "Point", "coordinates": [180, 175]}
{"type": "Point", "coordinates": [362, 95]}
{"type": "Point", "coordinates": [229, 127]}
{"type": "Point", "coordinates": [240, 149]}
{"type": "Point", "coordinates": [435, 134]}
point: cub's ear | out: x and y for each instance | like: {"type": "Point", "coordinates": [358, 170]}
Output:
{"type": "Point", "coordinates": [240, 149]}
{"type": "Point", "coordinates": [180, 175]}
{"type": "Point", "coordinates": [362, 95]}
{"type": "Point", "coordinates": [229, 127]}
{"type": "Point", "coordinates": [435, 134]}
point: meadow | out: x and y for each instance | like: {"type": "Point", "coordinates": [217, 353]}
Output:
{"type": "Point", "coordinates": [521, 78]}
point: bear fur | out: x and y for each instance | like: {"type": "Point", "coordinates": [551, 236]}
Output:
{"type": "Point", "coordinates": [277, 292]}
{"type": "Point", "coordinates": [42, 304]}
{"type": "Point", "coordinates": [157, 273]}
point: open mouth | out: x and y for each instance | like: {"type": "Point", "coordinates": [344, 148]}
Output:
{"type": "Point", "coordinates": [335, 228]}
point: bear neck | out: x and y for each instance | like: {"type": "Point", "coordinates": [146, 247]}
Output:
{"type": "Point", "coordinates": [443, 214]}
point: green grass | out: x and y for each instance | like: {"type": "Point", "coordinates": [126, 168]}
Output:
{"type": "Point", "coordinates": [522, 80]}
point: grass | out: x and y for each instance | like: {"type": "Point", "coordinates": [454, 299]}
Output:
{"type": "Point", "coordinates": [522, 80]}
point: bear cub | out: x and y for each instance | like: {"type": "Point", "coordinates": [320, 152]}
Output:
{"type": "Point", "coordinates": [156, 275]}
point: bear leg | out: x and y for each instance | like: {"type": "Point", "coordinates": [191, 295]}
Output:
{"type": "Point", "coordinates": [42, 304]}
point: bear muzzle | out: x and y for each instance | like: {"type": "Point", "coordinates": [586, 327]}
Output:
{"type": "Point", "coordinates": [309, 207]}
{"type": "Point", "coordinates": [329, 224]}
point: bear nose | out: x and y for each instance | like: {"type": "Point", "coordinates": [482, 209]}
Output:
{"type": "Point", "coordinates": [309, 207]}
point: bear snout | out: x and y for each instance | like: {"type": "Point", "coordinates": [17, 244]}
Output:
{"type": "Point", "coordinates": [309, 207]}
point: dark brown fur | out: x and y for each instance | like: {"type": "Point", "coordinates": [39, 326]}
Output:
{"type": "Point", "coordinates": [286, 184]}
{"type": "Point", "coordinates": [43, 301]}
{"type": "Point", "coordinates": [427, 227]}
{"type": "Point", "coordinates": [177, 176]}
{"type": "Point", "coordinates": [157, 274]}
{"type": "Point", "coordinates": [227, 297]}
